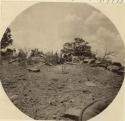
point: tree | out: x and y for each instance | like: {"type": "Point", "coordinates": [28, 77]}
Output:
{"type": "Point", "coordinates": [78, 47]}
{"type": "Point", "coordinates": [108, 54]}
{"type": "Point", "coordinates": [5, 42]}
{"type": "Point", "coordinates": [82, 48]}
{"type": "Point", "coordinates": [6, 39]}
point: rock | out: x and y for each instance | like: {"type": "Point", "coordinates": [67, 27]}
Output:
{"type": "Point", "coordinates": [13, 98]}
{"type": "Point", "coordinates": [61, 86]}
{"type": "Point", "coordinates": [71, 101]}
{"type": "Point", "coordinates": [116, 69]}
{"type": "Point", "coordinates": [119, 72]}
{"type": "Point", "coordinates": [92, 61]}
{"type": "Point", "coordinates": [34, 69]}
{"type": "Point", "coordinates": [64, 72]}
{"type": "Point", "coordinates": [86, 60]}
{"type": "Point", "coordinates": [90, 84]}
{"type": "Point", "coordinates": [104, 65]}
{"type": "Point", "coordinates": [98, 62]}
{"type": "Point", "coordinates": [117, 64]}
{"type": "Point", "coordinates": [49, 64]}
{"type": "Point", "coordinates": [72, 113]}
{"type": "Point", "coordinates": [54, 116]}
{"type": "Point", "coordinates": [16, 102]}
{"type": "Point", "coordinates": [89, 61]}
{"type": "Point", "coordinates": [52, 102]}
{"type": "Point", "coordinates": [86, 91]}
{"type": "Point", "coordinates": [64, 98]}
{"type": "Point", "coordinates": [122, 71]}
{"type": "Point", "coordinates": [113, 68]}
{"type": "Point", "coordinates": [55, 79]}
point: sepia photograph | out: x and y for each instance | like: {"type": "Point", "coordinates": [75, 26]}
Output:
{"type": "Point", "coordinates": [61, 61]}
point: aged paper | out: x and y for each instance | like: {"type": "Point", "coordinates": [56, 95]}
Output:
{"type": "Point", "coordinates": [114, 11]}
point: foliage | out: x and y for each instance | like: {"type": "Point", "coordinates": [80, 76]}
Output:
{"type": "Point", "coordinates": [36, 52]}
{"type": "Point", "coordinates": [78, 47]}
{"type": "Point", "coordinates": [52, 58]}
{"type": "Point", "coordinates": [22, 55]}
{"type": "Point", "coordinates": [6, 39]}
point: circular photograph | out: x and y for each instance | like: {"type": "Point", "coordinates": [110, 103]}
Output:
{"type": "Point", "coordinates": [61, 61]}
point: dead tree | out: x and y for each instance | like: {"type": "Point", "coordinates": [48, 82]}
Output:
{"type": "Point", "coordinates": [108, 54]}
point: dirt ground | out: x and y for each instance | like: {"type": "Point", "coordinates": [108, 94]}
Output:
{"type": "Point", "coordinates": [49, 93]}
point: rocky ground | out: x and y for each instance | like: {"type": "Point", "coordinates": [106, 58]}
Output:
{"type": "Point", "coordinates": [50, 93]}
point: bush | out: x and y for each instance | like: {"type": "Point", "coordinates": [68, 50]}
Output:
{"type": "Point", "coordinates": [22, 57]}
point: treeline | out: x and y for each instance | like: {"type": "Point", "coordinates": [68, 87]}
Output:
{"type": "Point", "coordinates": [75, 51]}
{"type": "Point", "coordinates": [78, 47]}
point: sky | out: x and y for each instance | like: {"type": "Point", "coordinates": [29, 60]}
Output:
{"type": "Point", "coordinates": [48, 26]}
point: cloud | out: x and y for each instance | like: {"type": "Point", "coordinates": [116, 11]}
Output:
{"type": "Point", "coordinates": [70, 27]}
{"type": "Point", "coordinates": [72, 17]}
{"type": "Point", "coordinates": [110, 39]}
{"type": "Point", "coordinates": [54, 26]}
{"type": "Point", "coordinates": [95, 18]}
{"type": "Point", "coordinates": [96, 29]}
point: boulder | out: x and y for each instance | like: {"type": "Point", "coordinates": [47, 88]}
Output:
{"type": "Point", "coordinates": [117, 64]}
{"type": "Point", "coordinates": [90, 84]}
{"type": "Point", "coordinates": [86, 60]}
{"type": "Point", "coordinates": [33, 69]}
{"type": "Point", "coordinates": [98, 62]}
{"type": "Point", "coordinates": [104, 65]}
{"type": "Point", "coordinates": [92, 61]}
{"type": "Point", "coordinates": [72, 113]}
{"type": "Point", "coordinates": [14, 98]}
{"type": "Point", "coordinates": [113, 68]}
